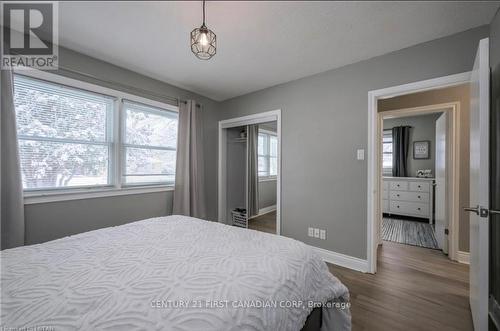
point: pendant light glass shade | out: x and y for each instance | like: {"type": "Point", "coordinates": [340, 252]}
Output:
{"type": "Point", "coordinates": [203, 43]}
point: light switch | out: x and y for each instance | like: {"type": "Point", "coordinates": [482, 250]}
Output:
{"type": "Point", "coordinates": [322, 234]}
{"type": "Point", "coordinates": [310, 232]}
{"type": "Point", "coordinates": [316, 233]}
{"type": "Point", "coordinates": [361, 154]}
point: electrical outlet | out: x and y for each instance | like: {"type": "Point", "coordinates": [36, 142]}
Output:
{"type": "Point", "coordinates": [316, 233]}
{"type": "Point", "coordinates": [310, 232]}
{"type": "Point", "coordinates": [322, 234]}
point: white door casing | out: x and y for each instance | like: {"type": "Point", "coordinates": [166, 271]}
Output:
{"type": "Point", "coordinates": [479, 186]}
{"type": "Point", "coordinates": [441, 187]}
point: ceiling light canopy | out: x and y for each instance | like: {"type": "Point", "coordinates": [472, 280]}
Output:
{"type": "Point", "coordinates": [203, 41]}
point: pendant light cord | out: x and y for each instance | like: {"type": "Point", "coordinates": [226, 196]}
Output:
{"type": "Point", "coordinates": [203, 12]}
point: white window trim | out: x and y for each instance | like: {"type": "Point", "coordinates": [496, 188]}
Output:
{"type": "Point", "coordinates": [34, 197]}
{"type": "Point", "coordinates": [117, 188]}
{"type": "Point", "coordinates": [268, 178]}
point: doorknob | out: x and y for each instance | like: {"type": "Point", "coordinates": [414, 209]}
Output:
{"type": "Point", "coordinates": [472, 209]}
{"type": "Point", "coordinates": [482, 212]}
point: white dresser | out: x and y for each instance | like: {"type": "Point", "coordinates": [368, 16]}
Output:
{"type": "Point", "coordinates": [408, 196]}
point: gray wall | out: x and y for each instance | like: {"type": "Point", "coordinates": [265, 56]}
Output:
{"type": "Point", "coordinates": [54, 220]}
{"type": "Point", "coordinates": [324, 121]}
{"type": "Point", "coordinates": [267, 193]}
{"type": "Point", "coordinates": [423, 128]}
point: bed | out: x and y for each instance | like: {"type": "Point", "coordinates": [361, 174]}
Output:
{"type": "Point", "coordinates": [171, 273]}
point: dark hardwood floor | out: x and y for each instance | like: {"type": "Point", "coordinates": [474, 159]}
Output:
{"type": "Point", "coordinates": [264, 223]}
{"type": "Point", "coordinates": [415, 288]}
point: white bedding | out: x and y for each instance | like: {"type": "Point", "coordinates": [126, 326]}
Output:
{"type": "Point", "coordinates": [138, 275]}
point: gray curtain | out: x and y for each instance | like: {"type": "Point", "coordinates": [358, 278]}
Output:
{"type": "Point", "coordinates": [12, 206]}
{"type": "Point", "coordinates": [400, 145]}
{"type": "Point", "coordinates": [253, 170]}
{"type": "Point", "coordinates": [189, 191]}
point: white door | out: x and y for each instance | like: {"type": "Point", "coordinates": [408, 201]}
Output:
{"type": "Point", "coordinates": [440, 193]}
{"type": "Point", "coordinates": [479, 179]}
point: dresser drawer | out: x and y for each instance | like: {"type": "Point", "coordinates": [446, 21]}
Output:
{"type": "Point", "coordinates": [397, 185]}
{"type": "Point", "coordinates": [409, 208]}
{"type": "Point", "coordinates": [385, 195]}
{"type": "Point", "coordinates": [385, 206]}
{"type": "Point", "coordinates": [420, 187]}
{"type": "Point", "coordinates": [410, 196]}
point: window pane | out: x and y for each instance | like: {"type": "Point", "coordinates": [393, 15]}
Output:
{"type": "Point", "coordinates": [47, 164]}
{"type": "Point", "coordinates": [273, 166]}
{"type": "Point", "coordinates": [149, 165]}
{"type": "Point", "coordinates": [262, 144]}
{"type": "Point", "coordinates": [150, 126]}
{"type": "Point", "coordinates": [387, 147]}
{"type": "Point", "coordinates": [262, 166]}
{"type": "Point", "coordinates": [387, 161]}
{"type": "Point", "coordinates": [273, 146]}
{"type": "Point", "coordinates": [55, 111]}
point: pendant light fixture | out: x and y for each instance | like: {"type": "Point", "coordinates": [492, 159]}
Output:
{"type": "Point", "coordinates": [203, 41]}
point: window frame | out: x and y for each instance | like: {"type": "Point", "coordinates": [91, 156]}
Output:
{"type": "Point", "coordinates": [386, 170]}
{"type": "Point", "coordinates": [116, 161]}
{"type": "Point", "coordinates": [124, 145]}
{"type": "Point", "coordinates": [268, 156]}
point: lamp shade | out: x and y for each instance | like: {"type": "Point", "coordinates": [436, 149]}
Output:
{"type": "Point", "coordinates": [203, 43]}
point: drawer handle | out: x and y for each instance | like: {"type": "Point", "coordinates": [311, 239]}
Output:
{"type": "Point", "coordinates": [419, 186]}
{"type": "Point", "coordinates": [418, 208]}
{"type": "Point", "coordinates": [398, 206]}
{"type": "Point", "coordinates": [397, 185]}
{"type": "Point", "coordinates": [397, 195]}
{"type": "Point", "coordinates": [419, 197]}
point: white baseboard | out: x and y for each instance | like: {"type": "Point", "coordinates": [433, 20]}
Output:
{"type": "Point", "coordinates": [267, 210]}
{"type": "Point", "coordinates": [342, 260]}
{"type": "Point", "coordinates": [463, 257]}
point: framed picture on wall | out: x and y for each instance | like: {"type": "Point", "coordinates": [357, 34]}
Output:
{"type": "Point", "coordinates": [421, 149]}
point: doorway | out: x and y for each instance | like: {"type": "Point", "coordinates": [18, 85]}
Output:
{"type": "Point", "coordinates": [250, 172]}
{"type": "Point", "coordinates": [417, 150]}
{"type": "Point", "coordinates": [375, 171]}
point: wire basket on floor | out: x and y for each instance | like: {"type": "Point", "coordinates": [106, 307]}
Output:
{"type": "Point", "coordinates": [239, 219]}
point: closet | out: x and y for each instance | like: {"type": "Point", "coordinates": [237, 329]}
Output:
{"type": "Point", "coordinates": [236, 176]}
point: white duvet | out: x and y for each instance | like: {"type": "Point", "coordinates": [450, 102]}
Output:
{"type": "Point", "coordinates": [168, 273]}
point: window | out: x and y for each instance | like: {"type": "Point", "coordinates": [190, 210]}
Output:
{"type": "Point", "coordinates": [64, 137]}
{"type": "Point", "coordinates": [68, 136]}
{"type": "Point", "coordinates": [268, 154]}
{"type": "Point", "coordinates": [387, 151]}
{"type": "Point", "coordinates": [149, 144]}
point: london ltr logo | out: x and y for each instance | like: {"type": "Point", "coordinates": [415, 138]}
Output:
{"type": "Point", "coordinates": [30, 35]}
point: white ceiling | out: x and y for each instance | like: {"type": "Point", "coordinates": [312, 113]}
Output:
{"type": "Point", "coordinates": [260, 44]}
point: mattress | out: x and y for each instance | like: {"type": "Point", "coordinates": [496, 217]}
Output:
{"type": "Point", "coordinates": [169, 273]}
